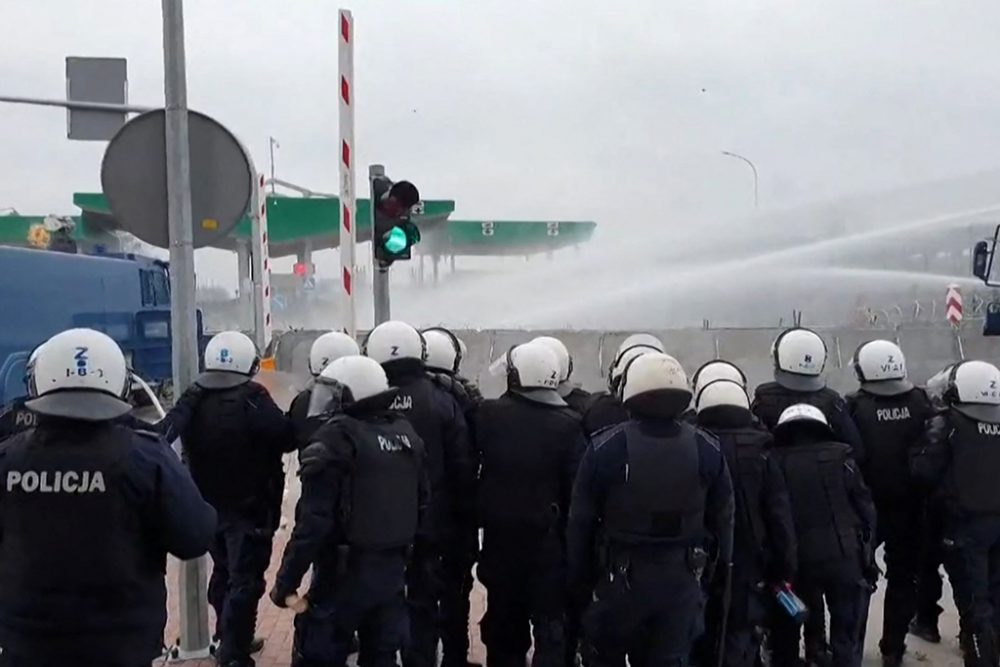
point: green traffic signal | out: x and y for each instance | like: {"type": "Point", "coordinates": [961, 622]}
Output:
{"type": "Point", "coordinates": [395, 241]}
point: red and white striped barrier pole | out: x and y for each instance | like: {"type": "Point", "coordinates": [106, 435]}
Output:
{"type": "Point", "coordinates": [953, 305]}
{"type": "Point", "coordinates": [261, 268]}
{"type": "Point", "coordinates": [348, 202]}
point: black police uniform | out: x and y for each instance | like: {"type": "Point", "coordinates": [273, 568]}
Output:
{"type": "Point", "coordinates": [601, 411]}
{"type": "Point", "coordinates": [363, 493]}
{"type": "Point", "coordinates": [652, 493]}
{"type": "Point", "coordinates": [770, 400]}
{"type": "Point", "coordinates": [438, 420]}
{"type": "Point", "coordinates": [962, 453]}
{"type": "Point", "coordinates": [88, 514]}
{"type": "Point", "coordinates": [891, 427]}
{"type": "Point", "coordinates": [233, 440]}
{"type": "Point", "coordinates": [16, 417]}
{"type": "Point", "coordinates": [764, 545]}
{"type": "Point", "coordinates": [835, 528]}
{"type": "Point", "coordinates": [529, 452]}
{"type": "Point", "coordinates": [459, 555]}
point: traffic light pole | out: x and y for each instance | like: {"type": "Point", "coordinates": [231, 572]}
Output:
{"type": "Point", "coordinates": [193, 576]}
{"type": "Point", "coordinates": [380, 278]}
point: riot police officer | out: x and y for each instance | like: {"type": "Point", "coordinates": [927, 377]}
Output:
{"type": "Point", "coordinates": [234, 437]}
{"type": "Point", "coordinates": [438, 420]}
{"type": "Point", "coordinates": [529, 442]}
{"type": "Point", "coordinates": [799, 357]}
{"type": "Point", "coordinates": [962, 455]}
{"type": "Point", "coordinates": [652, 492]}
{"type": "Point", "coordinates": [930, 582]}
{"type": "Point", "coordinates": [835, 528]}
{"type": "Point", "coordinates": [764, 545]}
{"type": "Point", "coordinates": [16, 417]}
{"type": "Point", "coordinates": [605, 408]}
{"type": "Point", "coordinates": [325, 349]}
{"type": "Point", "coordinates": [574, 396]}
{"type": "Point", "coordinates": [444, 360]}
{"type": "Point", "coordinates": [890, 414]}
{"type": "Point", "coordinates": [363, 494]}
{"type": "Point", "coordinates": [90, 511]}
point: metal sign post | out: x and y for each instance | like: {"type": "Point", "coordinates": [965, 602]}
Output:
{"type": "Point", "coordinates": [348, 208]}
{"type": "Point", "coordinates": [194, 574]}
{"type": "Point", "coordinates": [380, 280]}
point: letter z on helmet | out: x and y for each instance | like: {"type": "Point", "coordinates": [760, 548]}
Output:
{"type": "Point", "coordinates": [395, 341]}
{"type": "Point", "coordinates": [655, 384]}
{"type": "Point", "coordinates": [350, 382]}
{"type": "Point", "coordinates": [562, 355]}
{"type": "Point", "coordinates": [231, 359]}
{"type": "Point", "coordinates": [80, 374]}
{"type": "Point", "coordinates": [329, 347]}
{"type": "Point", "coordinates": [881, 368]}
{"type": "Point", "coordinates": [799, 358]}
{"type": "Point", "coordinates": [974, 389]}
{"type": "Point", "coordinates": [533, 370]}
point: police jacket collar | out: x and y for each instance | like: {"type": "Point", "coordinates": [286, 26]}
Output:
{"type": "Point", "coordinates": [401, 370]}
{"type": "Point", "coordinates": [543, 396]}
{"type": "Point", "coordinates": [379, 403]}
{"type": "Point", "coordinates": [801, 434]}
{"type": "Point", "coordinates": [221, 380]}
{"type": "Point", "coordinates": [725, 416]}
{"type": "Point", "coordinates": [887, 387]}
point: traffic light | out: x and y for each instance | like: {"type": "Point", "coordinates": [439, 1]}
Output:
{"type": "Point", "coordinates": [394, 233]}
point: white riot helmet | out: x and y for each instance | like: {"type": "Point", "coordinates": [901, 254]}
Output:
{"type": "Point", "coordinates": [720, 393]}
{"type": "Point", "coordinates": [231, 359]}
{"type": "Point", "coordinates": [80, 374]}
{"type": "Point", "coordinates": [395, 341]}
{"type": "Point", "coordinates": [803, 414]}
{"type": "Point", "coordinates": [444, 351]}
{"type": "Point", "coordinates": [644, 339]}
{"type": "Point", "coordinates": [329, 347]}
{"type": "Point", "coordinates": [799, 358]}
{"type": "Point", "coordinates": [533, 371]}
{"type": "Point", "coordinates": [655, 384]}
{"type": "Point", "coordinates": [346, 382]}
{"type": "Point", "coordinates": [621, 363]}
{"type": "Point", "coordinates": [562, 355]}
{"type": "Point", "coordinates": [974, 389]}
{"type": "Point", "coordinates": [717, 369]}
{"type": "Point", "coordinates": [881, 368]}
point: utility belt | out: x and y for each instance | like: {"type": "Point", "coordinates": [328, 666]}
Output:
{"type": "Point", "coordinates": [618, 559]}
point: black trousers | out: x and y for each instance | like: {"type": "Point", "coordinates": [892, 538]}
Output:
{"type": "Point", "coordinates": [525, 580]}
{"type": "Point", "coordinates": [847, 598]}
{"type": "Point", "coordinates": [900, 527]}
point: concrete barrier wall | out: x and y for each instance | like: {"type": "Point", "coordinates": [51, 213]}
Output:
{"type": "Point", "coordinates": [927, 349]}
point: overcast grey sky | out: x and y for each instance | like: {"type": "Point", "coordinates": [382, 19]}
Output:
{"type": "Point", "coordinates": [565, 109]}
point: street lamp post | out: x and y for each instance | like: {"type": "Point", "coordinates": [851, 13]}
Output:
{"type": "Point", "coordinates": [752, 167]}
